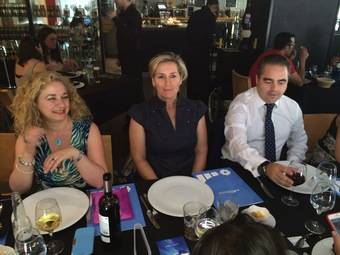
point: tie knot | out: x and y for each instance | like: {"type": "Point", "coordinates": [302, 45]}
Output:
{"type": "Point", "coordinates": [269, 107]}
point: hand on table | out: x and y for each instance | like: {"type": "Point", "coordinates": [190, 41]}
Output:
{"type": "Point", "coordinates": [279, 174]}
{"type": "Point", "coordinates": [56, 158]}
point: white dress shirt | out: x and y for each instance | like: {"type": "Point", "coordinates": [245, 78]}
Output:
{"type": "Point", "coordinates": [244, 130]}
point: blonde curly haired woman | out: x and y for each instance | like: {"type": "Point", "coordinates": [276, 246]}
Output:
{"type": "Point", "coordinates": [57, 145]}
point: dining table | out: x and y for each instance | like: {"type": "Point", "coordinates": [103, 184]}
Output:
{"type": "Point", "coordinates": [289, 220]}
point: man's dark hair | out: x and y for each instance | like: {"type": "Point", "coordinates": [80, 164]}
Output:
{"type": "Point", "coordinates": [272, 60]}
{"type": "Point", "coordinates": [282, 40]}
{"type": "Point", "coordinates": [241, 236]}
{"type": "Point", "coordinates": [212, 2]}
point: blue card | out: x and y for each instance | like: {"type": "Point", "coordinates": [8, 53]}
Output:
{"type": "Point", "coordinates": [173, 246]}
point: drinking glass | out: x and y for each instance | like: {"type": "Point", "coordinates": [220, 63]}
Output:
{"type": "Point", "coordinates": [227, 205]}
{"type": "Point", "coordinates": [191, 212]}
{"type": "Point", "coordinates": [298, 176]}
{"type": "Point", "coordinates": [48, 218]}
{"type": "Point", "coordinates": [207, 219]}
{"type": "Point", "coordinates": [322, 199]}
{"type": "Point", "coordinates": [32, 244]}
{"type": "Point", "coordinates": [328, 171]}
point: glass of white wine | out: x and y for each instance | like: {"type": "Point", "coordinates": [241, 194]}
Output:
{"type": "Point", "coordinates": [48, 218]}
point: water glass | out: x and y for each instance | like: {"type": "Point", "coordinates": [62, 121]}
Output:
{"type": "Point", "coordinates": [33, 244]}
{"type": "Point", "coordinates": [192, 212]}
{"type": "Point", "coordinates": [323, 197]}
{"type": "Point", "coordinates": [227, 205]}
{"type": "Point", "coordinates": [208, 219]}
{"type": "Point", "coordinates": [328, 172]}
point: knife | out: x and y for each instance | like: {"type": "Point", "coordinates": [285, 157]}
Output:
{"type": "Point", "coordinates": [264, 188]}
{"type": "Point", "coordinates": [149, 213]}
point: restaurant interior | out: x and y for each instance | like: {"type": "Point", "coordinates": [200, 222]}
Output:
{"type": "Point", "coordinates": [316, 25]}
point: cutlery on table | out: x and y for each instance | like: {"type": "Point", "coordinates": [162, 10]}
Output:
{"type": "Point", "coordinates": [154, 212]}
{"type": "Point", "coordinates": [149, 213]}
{"type": "Point", "coordinates": [264, 188]}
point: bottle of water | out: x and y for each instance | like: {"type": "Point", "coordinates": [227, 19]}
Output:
{"type": "Point", "coordinates": [28, 241]}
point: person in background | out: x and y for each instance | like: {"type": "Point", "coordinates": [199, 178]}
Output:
{"type": "Point", "coordinates": [129, 30]}
{"type": "Point", "coordinates": [29, 60]}
{"type": "Point", "coordinates": [57, 144]}
{"type": "Point", "coordinates": [241, 236]}
{"type": "Point", "coordinates": [284, 44]}
{"type": "Point", "coordinates": [328, 148]}
{"type": "Point", "coordinates": [168, 134]}
{"type": "Point", "coordinates": [261, 120]}
{"type": "Point", "coordinates": [48, 40]}
{"type": "Point", "coordinates": [200, 42]}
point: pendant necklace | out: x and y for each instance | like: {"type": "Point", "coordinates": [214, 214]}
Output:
{"type": "Point", "coordinates": [58, 141]}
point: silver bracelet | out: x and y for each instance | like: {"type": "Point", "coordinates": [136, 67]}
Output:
{"type": "Point", "coordinates": [80, 156]}
{"type": "Point", "coordinates": [26, 163]}
{"type": "Point", "coordinates": [23, 171]}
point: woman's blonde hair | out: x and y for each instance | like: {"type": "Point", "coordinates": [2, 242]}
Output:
{"type": "Point", "coordinates": [25, 109]}
{"type": "Point", "coordinates": [168, 57]}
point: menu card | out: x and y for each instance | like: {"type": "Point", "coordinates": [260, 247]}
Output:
{"type": "Point", "coordinates": [224, 180]}
{"type": "Point", "coordinates": [173, 246]}
{"type": "Point", "coordinates": [124, 202]}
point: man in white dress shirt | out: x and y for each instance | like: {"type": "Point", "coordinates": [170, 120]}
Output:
{"type": "Point", "coordinates": [245, 124]}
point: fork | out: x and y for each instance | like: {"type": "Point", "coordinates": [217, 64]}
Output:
{"type": "Point", "coordinates": [154, 211]}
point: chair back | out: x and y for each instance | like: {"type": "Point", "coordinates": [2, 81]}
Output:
{"type": "Point", "coordinates": [108, 151]}
{"type": "Point", "coordinates": [316, 126]}
{"type": "Point", "coordinates": [7, 152]}
{"type": "Point", "coordinates": [240, 82]}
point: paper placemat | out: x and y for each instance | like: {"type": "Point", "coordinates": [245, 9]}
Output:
{"type": "Point", "coordinates": [127, 224]}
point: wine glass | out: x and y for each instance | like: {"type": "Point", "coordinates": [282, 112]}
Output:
{"type": "Point", "coordinates": [322, 199]}
{"type": "Point", "coordinates": [48, 218]}
{"type": "Point", "coordinates": [227, 206]}
{"type": "Point", "coordinates": [32, 244]}
{"type": "Point", "coordinates": [328, 171]}
{"type": "Point", "coordinates": [207, 220]}
{"type": "Point", "coordinates": [298, 177]}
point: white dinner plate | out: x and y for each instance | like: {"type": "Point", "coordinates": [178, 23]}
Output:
{"type": "Point", "coordinates": [306, 187]}
{"type": "Point", "coordinates": [323, 247]}
{"type": "Point", "coordinates": [72, 75]}
{"type": "Point", "coordinates": [169, 194]}
{"type": "Point", "coordinates": [78, 84]}
{"type": "Point", "coordinates": [73, 204]}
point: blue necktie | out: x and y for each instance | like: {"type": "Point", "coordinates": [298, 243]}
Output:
{"type": "Point", "coordinates": [269, 135]}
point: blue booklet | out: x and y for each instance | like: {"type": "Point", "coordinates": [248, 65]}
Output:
{"type": "Point", "coordinates": [173, 246]}
{"type": "Point", "coordinates": [226, 181]}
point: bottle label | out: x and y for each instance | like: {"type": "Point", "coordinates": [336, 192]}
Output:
{"type": "Point", "coordinates": [104, 228]}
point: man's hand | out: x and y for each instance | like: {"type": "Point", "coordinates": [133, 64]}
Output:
{"type": "Point", "coordinates": [279, 174]}
{"type": "Point", "coordinates": [111, 14]}
{"type": "Point", "coordinates": [304, 54]}
{"type": "Point", "coordinates": [336, 239]}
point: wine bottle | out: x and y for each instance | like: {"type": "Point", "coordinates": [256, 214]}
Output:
{"type": "Point", "coordinates": [246, 28]}
{"type": "Point", "coordinates": [109, 217]}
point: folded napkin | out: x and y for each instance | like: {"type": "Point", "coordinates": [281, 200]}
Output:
{"type": "Point", "coordinates": [126, 211]}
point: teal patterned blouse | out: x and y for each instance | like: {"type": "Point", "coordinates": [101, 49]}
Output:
{"type": "Point", "coordinates": [66, 173]}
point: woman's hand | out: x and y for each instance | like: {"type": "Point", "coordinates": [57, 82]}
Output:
{"type": "Point", "coordinates": [32, 137]}
{"type": "Point", "coordinates": [56, 158]}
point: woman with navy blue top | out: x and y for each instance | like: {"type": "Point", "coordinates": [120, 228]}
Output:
{"type": "Point", "coordinates": [168, 133]}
